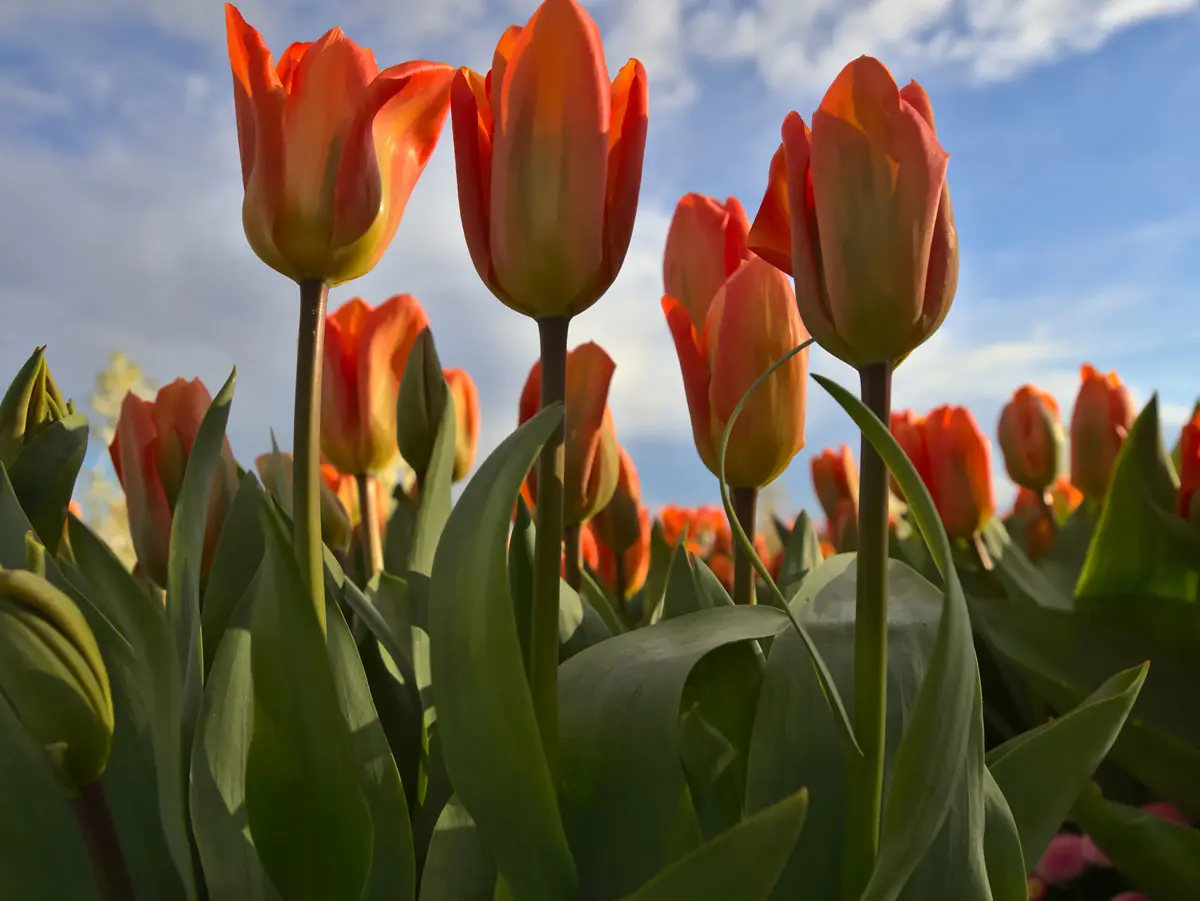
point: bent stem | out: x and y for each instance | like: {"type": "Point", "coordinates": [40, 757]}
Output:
{"type": "Point", "coordinates": [306, 481]}
{"type": "Point", "coordinates": [99, 831]}
{"type": "Point", "coordinates": [573, 555]}
{"type": "Point", "coordinates": [543, 633]}
{"type": "Point", "coordinates": [368, 524]}
{"type": "Point", "coordinates": [745, 505]}
{"type": "Point", "coordinates": [865, 773]}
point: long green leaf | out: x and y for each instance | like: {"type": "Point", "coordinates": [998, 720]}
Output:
{"type": "Point", "coordinates": [485, 714]}
{"type": "Point", "coordinates": [44, 472]}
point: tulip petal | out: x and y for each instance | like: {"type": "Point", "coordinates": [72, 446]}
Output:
{"type": "Point", "coordinates": [693, 365]}
{"type": "Point", "coordinates": [472, 123]}
{"type": "Point", "coordinates": [771, 234]}
{"type": "Point", "coordinates": [589, 374]}
{"type": "Point", "coordinates": [289, 62]}
{"type": "Point", "coordinates": [340, 412]}
{"type": "Point", "coordinates": [136, 446]}
{"type": "Point", "coordinates": [705, 244]}
{"type": "Point", "coordinates": [628, 121]}
{"type": "Point", "coordinates": [388, 337]}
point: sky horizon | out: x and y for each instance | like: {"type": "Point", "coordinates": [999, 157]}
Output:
{"type": "Point", "coordinates": [1067, 123]}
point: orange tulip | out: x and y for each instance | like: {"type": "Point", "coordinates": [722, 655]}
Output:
{"type": "Point", "coordinates": [635, 559]}
{"type": "Point", "coordinates": [1031, 438]}
{"type": "Point", "coordinates": [835, 478]}
{"type": "Point", "coordinates": [959, 477]}
{"type": "Point", "coordinates": [590, 444]}
{"type": "Point", "coordinates": [619, 525]}
{"type": "Point", "coordinates": [720, 559]}
{"type": "Point", "coordinates": [331, 148]}
{"type": "Point", "coordinates": [859, 211]}
{"type": "Point", "coordinates": [706, 244]}
{"type": "Point", "coordinates": [366, 351]}
{"type": "Point", "coordinates": [549, 158]}
{"type": "Point", "coordinates": [842, 526]}
{"type": "Point", "coordinates": [750, 323]}
{"type": "Point", "coordinates": [466, 410]}
{"type": "Point", "coordinates": [1189, 476]}
{"type": "Point", "coordinates": [1101, 419]}
{"type": "Point", "coordinates": [276, 474]}
{"type": "Point", "coordinates": [1041, 531]}
{"type": "Point", "coordinates": [345, 488]}
{"type": "Point", "coordinates": [907, 428]}
{"type": "Point", "coordinates": [149, 452]}
{"type": "Point", "coordinates": [587, 551]}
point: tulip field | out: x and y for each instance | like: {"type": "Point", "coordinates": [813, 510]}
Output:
{"type": "Point", "coordinates": [504, 677]}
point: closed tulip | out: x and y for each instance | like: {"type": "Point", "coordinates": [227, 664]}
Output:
{"type": "Point", "coordinates": [549, 158]}
{"type": "Point", "coordinates": [331, 148]}
{"type": "Point", "coordinates": [750, 323]}
{"type": "Point", "coordinates": [706, 244]}
{"type": "Point", "coordinates": [275, 470]}
{"type": "Point", "coordinates": [1102, 417]}
{"type": "Point", "coordinates": [835, 478]}
{"type": "Point", "coordinates": [959, 477]}
{"type": "Point", "coordinates": [1031, 438]}
{"type": "Point", "coordinates": [618, 526]}
{"type": "Point", "coordinates": [366, 352]}
{"type": "Point", "coordinates": [1189, 470]}
{"type": "Point", "coordinates": [149, 452]}
{"type": "Point", "coordinates": [1041, 520]}
{"type": "Point", "coordinates": [908, 430]}
{"type": "Point", "coordinates": [345, 489]}
{"type": "Point", "coordinates": [858, 210]}
{"type": "Point", "coordinates": [592, 455]}
{"type": "Point", "coordinates": [466, 410]}
{"type": "Point", "coordinates": [634, 559]}
{"type": "Point", "coordinates": [589, 552]}
{"type": "Point", "coordinates": [31, 402]}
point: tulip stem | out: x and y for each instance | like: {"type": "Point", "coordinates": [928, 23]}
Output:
{"type": "Point", "coordinates": [1048, 512]}
{"type": "Point", "coordinates": [306, 481]}
{"type": "Point", "coordinates": [573, 554]}
{"type": "Point", "coordinates": [865, 798]}
{"type": "Point", "coordinates": [99, 832]}
{"type": "Point", "coordinates": [543, 635]}
{"type": "Point", "coordinates": [368, 526]}
{"type": "Point", "coordinates": [745, 507]}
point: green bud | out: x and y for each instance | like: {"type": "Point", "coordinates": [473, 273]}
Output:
{"type": "Point", "coordinates": [53, 677]}
{"type": "Point", "coordinates": [31, 402]}
{"type": "Point", "coordinates": [275, 470]}
{"type": "Point", "coordinates": [423, 400]}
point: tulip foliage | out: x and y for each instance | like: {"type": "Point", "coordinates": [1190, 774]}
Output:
{"type": "Point", "coordinates": [541, 691]}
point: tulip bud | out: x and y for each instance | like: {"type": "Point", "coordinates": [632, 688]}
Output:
{"type": "Point", "coordinates": [543, 142]}
{"type": "Point", "coordinates": [706, 244]}
{"type": "Point", "coordinates": [32, 401]}
{"type": "Point", "coordinates": [908, 430]}
{"type": "Point", "coordinates": [366, 355]}
{"type": "Point", "coordinates": [588, 551]}
{"type": "Point", "coordinates": [592, 455]}
{"type": "Point", "coordinates": [959, 477]}
{"type": "Point", "coordinates": [345, 489]}
{"type": "Point", "coordinates": [619, 525]}
{"type": "Point", "coordinates": [1101, 419]}
{"type": "Point", "coordinates": [1031, 438]}
{"type": "Point", "coordinates": [1042, 514]}
{"type": "Point", "coordinates": [53, 677]}
{"type": "Point", "coordinates": [835, 479]}
{"type": "Point", "coordinates": [331, 148]}
{"type": "Point", "coordinates": [750, 324]}
{"type": "Point", "coordinates": [275, 470]}
{"type": "Point", "coordinates": [423, 400]}
{"type": "Point", "coordinates": [149, 452]}
{"type": "Point", "coordinates": [859, 211]}
{"type": "Point", "coordinates": [1189, 470]}
{"type": "Point", "coordinates": [466, 409]}
{"type": "Point", "coordinates": [635, 559]}
{"type": "Point", "coordinates": [843, 526]}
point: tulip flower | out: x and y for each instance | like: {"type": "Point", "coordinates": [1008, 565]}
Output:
{"type": "Point", "coordinates": [750, 323]}
{"type": "Point", "coordinates": [466, 409]}
{"type": "Point", "coordinates": [366, 352]}
{"type": "Point", "coordinates": [706, 244]}
{"type": "Point", "coordinates": [858, 210]}
{"type": "Point", "coordinates": [1189, 470]}
{"type": "Point", "coordinates": [345, 489]}
{"type": "Point", "coordinates": [1102, 417]}
{"type": "Point", "coordinates": [275, 471]}
{"type": "Point", "coordinates": [588, 551]}
{"type": "Point", "coordinates": [149, 452]}
{"type": "Point", "coordinates": [625, 571]}
{"type": "Point", "coordinates": [1031, 438]}
{"type": "Point", "coordinates": [1062, 860]}
{"type": "Point", "coordinates": [835, 479]}
{"type": "Point", "coordinates": [1042, 512]}
{"type": "Point", "coordinates": [959, 474]}
{"type": "Point", "coordinates": [331, 148]}
{"type": "Point", "coordinates": [618, 525]}
{"type": "Point", "coordinates": [592, 454]}
{"type": "Point", "coordinates": [549, 158]}
{"type": "Point", "coordinates": [31, 402]}
{"type": "Point", "coordinates": [699, 525]}
{"type": "Point", "coordinates": [908, 430]}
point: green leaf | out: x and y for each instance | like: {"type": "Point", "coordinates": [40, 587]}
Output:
{"type": "Point", "coordinates": [188, 524]}
{"type": "Point", "coordinates": [44, 472]}
{"type": "Point", "coordinates": [458, 867]}
{"type": "Point", "coordinates": [598, 598]}
{"type": "Point", "coordinates": [801, 554]}
{"type": "Point", "coordinates": [1002, 849]}
{"type": "Point", "coordinates": [1132, 552]}
{"type": "Point", "coordinates": [742, 863]}
{"type": "Point", "coordinates": [235, 562]}
{"type": "Point", "coordinates": [485, 715]}
{"type": "Point", "coordinates": [1020, 577]}
{"type": "Point", "coordinates": [1042, 771]}
{"type": "Point", "coordinates": [661, 557]}
{"type": "Point", "coordinates": [520, 575]}
{"type": "Point", "coordinates": [935, 745]}
{"type": "Point", "coordinates": [1159, 857]}
{"type": "Point", "coordinates": [579, 626]}
{"type": "Point", "coordinates": [688, 589]}
{"type": "Point", "coordinates": [309, 819]}
{"type": "Point", "coordinates": [400, 527]}
{"type": "Point", "coordinates": [622, 784]}
{"type": "Point", "coordinates": [433, 506]}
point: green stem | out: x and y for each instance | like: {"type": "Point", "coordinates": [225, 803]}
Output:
{"type": "Point", "coordinates": [543, 634]}
{"type": "Point", "coordinates": [870, 648]}
{"type": "Point", "coordinates": [368, 526]}
{"type": "Point", "coordinates": [306, 481]}
{"type": "Point", "coordinates": [99, 831]}
{"type": "Point", "coordinates": [573, 555]}
{"type": "Point", "coordinates": [745, 506]}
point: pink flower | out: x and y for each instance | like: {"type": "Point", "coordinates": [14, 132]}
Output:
{"type": "Point", "coordinates": [1063, 860]}
{"type": "Point", "coordinates": [1166, 811]}
{"type": "Point", "coordinates": [1093, 855]}
{"type": "Point", "coordinates": [1130, 896]}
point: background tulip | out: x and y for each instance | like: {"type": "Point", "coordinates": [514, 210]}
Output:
{"type": "Point", "coordinates": [1102, 417]}
{"type": "Point", "coordinates": [908, 430]}
{"type": "Point", "coordinates": [751, 323]}
{"type": "Point", "coordinates": [1031, 438]}
{"type": "Point", "coordinates": [706, 243]}
{"type": "Point", "coordinates": [331, 148]}
{"type": "Point", "coordinates": [868, 230]}
{"type": "Point", "coordinates": [1189, 470]}
{"type": "Point", "coordinates": [549, 158]}
{"type": "Point", "coordinates": [959, 477]}
{"type": "Point", "coordinates": [466, 409]}
{"type": "Point", "coordinates": [835, 478]}
{"type": "Point", "coordinates": [366, 352]}
{"type": "Point", "coordinates": [275, 470]}
{"type": "Point", "coordinates": [618, 526]}
{"type": "Point", "coordinates": [149, 453]}
{"type": "Point", "coordinates": [624, 571]}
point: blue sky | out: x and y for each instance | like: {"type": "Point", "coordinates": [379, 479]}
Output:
{"type": "Point", "coordinates": [1071, 125]}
